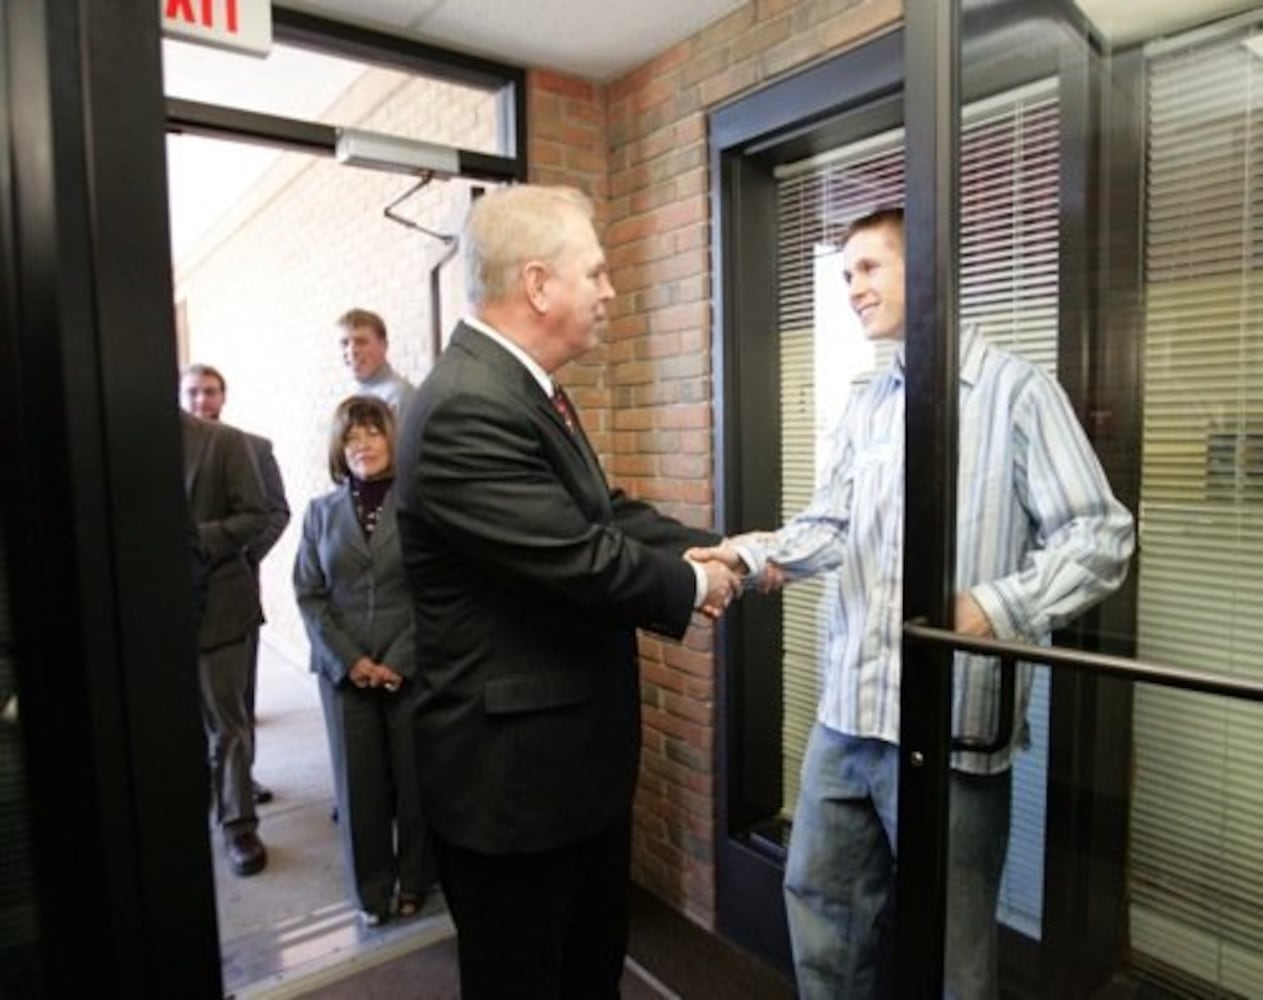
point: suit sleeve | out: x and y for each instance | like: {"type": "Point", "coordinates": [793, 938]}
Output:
{"type": "Point", "coordinates": [245, 517]}
{"type": "Point", "coordinates": [333, 650]}
{"type": "Point", "coordinates": [274, 500]}
{"type": "Point", "coordinates": [483, 480]}
{"type": "Point", "coordinates": [649, 526]}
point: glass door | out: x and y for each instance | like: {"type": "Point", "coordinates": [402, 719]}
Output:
{"type": "Point", "coordinates": [1142, 796]}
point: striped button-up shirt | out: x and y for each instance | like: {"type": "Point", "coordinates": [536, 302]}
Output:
{"type": "Point", "coordinates": [1040, 538]}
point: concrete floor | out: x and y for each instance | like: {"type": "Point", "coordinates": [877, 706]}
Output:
{"type": "Point", "coordinates": [291, 929]}
{"type": "Point", "coordinates": [304, 872]}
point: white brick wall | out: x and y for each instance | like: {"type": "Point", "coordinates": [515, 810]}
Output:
{"type": "Point", "coordinates": [307, 244]}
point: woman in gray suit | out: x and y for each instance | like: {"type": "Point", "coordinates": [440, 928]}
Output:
{"type": "Point", "coordinates": [351, 589]}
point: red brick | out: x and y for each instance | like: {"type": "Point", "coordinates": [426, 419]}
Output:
{"type": "Point", "coordinates": [555, 83]}
{"type": "Point", "coordinates": [684, 466]}
{"type": "Point", "coordinates": [690, 661]}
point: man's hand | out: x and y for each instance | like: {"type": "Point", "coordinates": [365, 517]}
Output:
{"type": "Point", "coordinates": [971, 619]}
{"type": "Point", "coordinates": [723, 553]}
{"type": "Point", "coordinates": [771, 579]}
{"type": "Point", "coordinates": [722, 585]}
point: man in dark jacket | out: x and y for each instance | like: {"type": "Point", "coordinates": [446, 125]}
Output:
{"type": "Point", "coordinates": [203, 392]}
{"type": "Point", "coordinates": [529, 578]}
{"type": "Point", "coordinates": [225, 495]}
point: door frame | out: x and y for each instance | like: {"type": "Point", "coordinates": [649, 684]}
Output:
{"type": "Point", "coordinates": [94, 514]}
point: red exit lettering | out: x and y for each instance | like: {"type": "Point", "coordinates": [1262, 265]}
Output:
{"type": "Point", "coordinates": [182, 10]}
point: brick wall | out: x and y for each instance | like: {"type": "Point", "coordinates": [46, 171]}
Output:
{"type": "Point", "coordinates": [648, 393]}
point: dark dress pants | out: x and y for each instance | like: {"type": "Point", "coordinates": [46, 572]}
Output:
{"type": "Point", "coordinates": [540, 926]}
{"type": "Point", "coordinates": [380, 822]}
{"type": "Point", "coordinates": [222, 674]}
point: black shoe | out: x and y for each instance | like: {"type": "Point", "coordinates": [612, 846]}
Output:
{"type": "Point", "coordinates": [246, 853]}
{"type": "Point", "coordinates": [262, 794]}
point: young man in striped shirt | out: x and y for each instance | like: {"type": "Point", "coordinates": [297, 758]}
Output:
{"type": "Point", "coordinates": [1040, 539]}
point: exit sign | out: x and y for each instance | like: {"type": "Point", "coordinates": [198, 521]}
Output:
{"type": "Point", "coordinates": [240, 25]}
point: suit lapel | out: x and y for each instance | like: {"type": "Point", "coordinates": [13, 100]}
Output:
{"type": "Point", "coordinates": [386, 530]}
{"type": "Point", "coordinates": [196, 440]}
{"type": "Point", "coordinates": [527, 391]}
{"type": "Point", "coordinates": [347, 525]}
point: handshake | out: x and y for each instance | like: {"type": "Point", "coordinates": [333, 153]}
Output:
{"type": "Point", "coordinates": [726, 574]}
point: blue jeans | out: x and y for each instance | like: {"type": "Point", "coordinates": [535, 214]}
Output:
{"type": "Point", "coordinates": [840, 879]}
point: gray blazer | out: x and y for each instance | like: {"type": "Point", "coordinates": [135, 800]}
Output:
{"type": "Point", "coordinates": [351, 590]}
{"type": "Point", "coordinates": [226, 501]}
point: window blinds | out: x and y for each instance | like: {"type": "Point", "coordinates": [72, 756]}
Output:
{"type": "Point", "coordinates": [1008, 284]}
{"type": "Point", "coordinates": [1196, 873]}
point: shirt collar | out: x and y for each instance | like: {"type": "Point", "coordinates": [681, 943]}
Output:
{"type": "Point", "coordinates": [973, 349]}
{"type": "Point", "coordinates": [382, 373]}
{"type": "Point", "coordinates": [529, 363]}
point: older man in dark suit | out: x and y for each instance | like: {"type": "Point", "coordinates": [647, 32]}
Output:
{"type": "Point", "coordinates": [203, 392]}
{"type": "Point", "coordinates": [225, 496]}
{"type": "Point", "coordinates": [529, 578]}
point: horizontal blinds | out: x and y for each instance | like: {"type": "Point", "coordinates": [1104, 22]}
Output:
{"type": "Point", "coordinates": [1196, 873]}
{"type": "Point", "coordinates": [814, 207]}
{"type": "Point", "coordinates": [1008, 284]}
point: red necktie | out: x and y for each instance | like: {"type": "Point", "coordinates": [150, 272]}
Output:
{"type": "Point", "coordinates": [562, 405]}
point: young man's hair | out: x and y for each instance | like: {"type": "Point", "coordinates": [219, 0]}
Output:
{"type": "Point", "coordinates": [206, 371]}
{"type": "Point", "coordinates": [890, 216]}
{"type": "Point", "coordinates": [363, 317]}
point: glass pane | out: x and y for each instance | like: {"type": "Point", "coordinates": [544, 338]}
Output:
{"type": "Point", "coordinates": [312, 86]}
{"type": "Point", "coordinates": [1121, 380]}
{"type": "Point", "coordinates": [1193, 908]}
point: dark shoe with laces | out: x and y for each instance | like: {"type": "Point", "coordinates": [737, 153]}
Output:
{"type": "Point", "coordinates": [246, 853]}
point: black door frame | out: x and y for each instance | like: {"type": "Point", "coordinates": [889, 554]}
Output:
{"type": "Point", "coordinates": [97, 549]}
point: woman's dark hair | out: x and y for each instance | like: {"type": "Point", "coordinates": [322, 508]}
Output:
{"type": "Point", "coordinates": [357, 411]}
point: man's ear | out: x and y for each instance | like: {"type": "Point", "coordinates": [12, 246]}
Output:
{"type": "Point", "coordinates": [534, 279]}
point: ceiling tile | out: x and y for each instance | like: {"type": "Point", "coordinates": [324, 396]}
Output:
{"type": "Point", "coordinates": [593, 41]}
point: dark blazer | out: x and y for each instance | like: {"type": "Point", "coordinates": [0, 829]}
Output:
{"type": "Point", "coordinates": [529, 579]}
{"type": "Point", "coordinates": [273, 495]}
{"type": "Point", "coordinates": [351, 589]}
{"type": "Point", "coordinates": [225, 497]}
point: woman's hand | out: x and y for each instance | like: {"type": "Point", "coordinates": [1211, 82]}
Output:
{"type": "Point", "coordinates": [365, 673]}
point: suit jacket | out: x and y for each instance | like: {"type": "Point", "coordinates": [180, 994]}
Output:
{"type": "Point", "coordinates": [351, 590]}
{"type": "Point", "coordinates": [225, 497]}
{"type": "Point", "coordinates": [529, 579]}
{"type": "Point", "coordinates": [273, 495]}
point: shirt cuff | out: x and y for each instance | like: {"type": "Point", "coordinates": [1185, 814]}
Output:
{"type": "Point", "coordinates": [703, 585]}
{"type": "Point", "coordinates": [1000, 612]}
{"type": "Point", "coordinates": [754, 558]}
